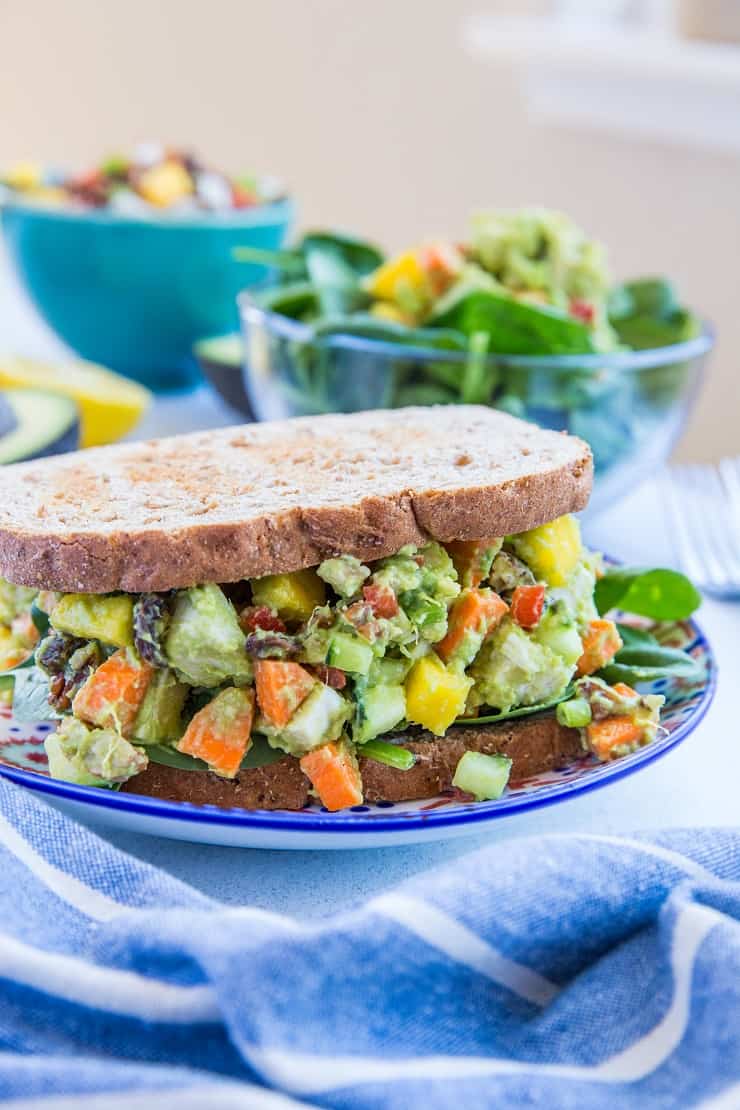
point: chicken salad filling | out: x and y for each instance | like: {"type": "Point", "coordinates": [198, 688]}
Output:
{"type": "Point", "coordinates": [331, 663]}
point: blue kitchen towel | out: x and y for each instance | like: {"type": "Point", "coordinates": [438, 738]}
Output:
{"type": "Point", "coordinates": [560, 971]}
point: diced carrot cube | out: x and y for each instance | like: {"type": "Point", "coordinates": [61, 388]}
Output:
{"type": "Point", "coordinates": [24, 627]}
{"type": "Point", "coordinates": [600, 644]}
{"type": "Point", "coordinates": [624, 690]}
{"type": "Point", "coordinates": [281, 688]}
{"type": "Point", "coordinates": [334, 775]}
{"type": "Point", "coordinates": [612, 733]}
{"type": "Point", "coordinates": [476, 610]}
{"type": "Point", "coordinates": [112, 695]}
{"type": "Point", "coordinates": [469, 557]}
{"type": "Point", "coordinates": [220, 733]}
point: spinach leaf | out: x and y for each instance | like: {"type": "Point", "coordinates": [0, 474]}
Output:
{"type": "Point", "coordinates": [294, 299]}
{"type": "Point", "coordinates": [333, 263]}
{"type": "Point", "coordinates": [647, 663]}
{"type": "Point", "coordinates": [170, 757]}
{"type": "Point", "coordinates": [647, 296]}
{"type": "Point", "coordinates": [521, 711]}
{"type": "Point", "coordinates": [31, 696]}
{"type": "Point", "coordinates": [477, 380]}
{"type": "Point", "coordinates": [661, 594]}
{"type": "Point", "coordinates": [288, 262]}
{"type": "Point", "coordinates": [634, 637]}
{"type": "Point", "coordinates": [260, 754]}
{"type": "Point", "coordinates": [643, 659]}
{"type": "Point", "coordinates": [646, 314]}
{"type": "Point", "coordinates": [362, 257]}
{"type": "Point", "coordinates": [515, 328]}
{"type": "Point", "coordinates": [40, 620]}
{"type": "Point", "coordinates": [649, 332]}
{"type": "Point", "coordinates": [337, 285]}
{"type": "Point", "coordinates": [367, 326]}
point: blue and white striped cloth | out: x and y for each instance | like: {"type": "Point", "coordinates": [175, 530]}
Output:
{"type": "Point", "coordinates": [582, 971]}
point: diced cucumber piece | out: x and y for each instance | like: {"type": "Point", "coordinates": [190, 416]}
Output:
{"type": "Point", "coordinates": [575, 713]}
{"type": "Point", "coordinates": [379, 710]}
{"type": "Point", "coordinates": [389, 672]}
{"type": "Point", "coordinates": [390, 754]}
{"type": "Point", "coordinates": [483, 776]}
{"type": "Point", "coordinates": [557, 630]}
{"type": "Point", "coordinates": [349, 653]}
{"type": "Point", "coordinates": [426, 613]}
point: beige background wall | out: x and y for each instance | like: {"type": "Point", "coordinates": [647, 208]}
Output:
{"type": "Point", "coordinates": [381, 123]}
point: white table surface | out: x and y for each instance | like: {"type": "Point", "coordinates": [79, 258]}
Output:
{"type": "Point", "coordinates": [696, 784]}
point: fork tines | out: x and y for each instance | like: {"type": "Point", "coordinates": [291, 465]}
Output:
{"type": "Point", "coordinates": [704, 507]}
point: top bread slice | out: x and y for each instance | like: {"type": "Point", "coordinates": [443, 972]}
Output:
{"type": "Point", "coordinates": [242, 502]}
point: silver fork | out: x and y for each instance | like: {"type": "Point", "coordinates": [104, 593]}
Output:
{"type": "Point", "coordinates": [703, 502]}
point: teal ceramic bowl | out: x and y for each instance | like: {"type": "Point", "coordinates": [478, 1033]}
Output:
{"type": "Point", "coordinates": [136, 293]}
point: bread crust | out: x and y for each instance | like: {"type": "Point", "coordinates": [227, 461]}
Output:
{"type": "Point", "coordinates": [261, 499]}
{"type": "Point", "coordinates": [534, 744]}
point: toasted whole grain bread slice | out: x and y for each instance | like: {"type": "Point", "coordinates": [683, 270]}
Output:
{"type": "Point", "coordinates": [241, 502]}
{"type": "Point", "coordinates": [534, 744]}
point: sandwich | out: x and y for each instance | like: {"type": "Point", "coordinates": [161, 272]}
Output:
{"type": "Point", "coordinates": [372, 607]}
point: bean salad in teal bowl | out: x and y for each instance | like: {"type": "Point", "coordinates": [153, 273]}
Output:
{"type": "Point", "coordinates": [133, 262]}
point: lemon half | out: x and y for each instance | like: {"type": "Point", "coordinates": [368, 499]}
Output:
{"type": "Point", "coordinates": [110, 405]}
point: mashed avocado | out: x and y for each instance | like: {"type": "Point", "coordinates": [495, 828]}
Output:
{"type": "Point", "coordinates": [543, 257]}
{"type": "Point", "coordinates": [91, 756]}
{"type": "Point", "coordinates": [205, 644]}
{"type": "Point", "coordinates": [536, 249]}
{"type": "Point", "coordinates": [345, 574]}
{"type": "Point", "coordinates": [512, 668]}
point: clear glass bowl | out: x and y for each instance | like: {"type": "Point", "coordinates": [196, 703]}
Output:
{"type": "Point", "coordinates": [631, 406]}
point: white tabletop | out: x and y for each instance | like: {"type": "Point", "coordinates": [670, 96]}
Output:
{"type": "Point", "coordinates": [696, 784]}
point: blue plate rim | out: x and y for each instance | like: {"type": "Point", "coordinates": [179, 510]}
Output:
{"type": "Point", "coordinates": [359, 823]}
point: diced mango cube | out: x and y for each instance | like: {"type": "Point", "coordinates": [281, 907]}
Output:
{"type": "Point", "coordinates": [96, 617]}
{"type": "Point", "coordinates": [165, 184]}
{"type": "Point", "coordinates": [551, 551]}
{"type": "Point", "coordinates": [385, 310]}
{"type": "Point", "coordinates": [404, 271]}
{"type": "Point", "coordinates": [434, 695]}
{"type": "Point", "coordinates": [23, 175]}
{"type": "Point", "coordinates": [294, 596]}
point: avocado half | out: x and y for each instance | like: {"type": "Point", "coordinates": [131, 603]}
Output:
{"type": "Point", "coordinates": [35, 423]}
{"type": "Point", "coordinates": [221, 360]}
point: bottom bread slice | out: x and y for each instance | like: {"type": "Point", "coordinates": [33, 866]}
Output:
{"type": "Point", "coordinates": [534, 744]}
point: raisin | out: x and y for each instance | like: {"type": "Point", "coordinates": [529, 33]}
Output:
{"type": "Point", "coordinates": [151, 621]}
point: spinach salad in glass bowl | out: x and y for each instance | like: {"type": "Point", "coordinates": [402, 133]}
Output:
{"type": "Point", "coordinates": [523, 317]}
